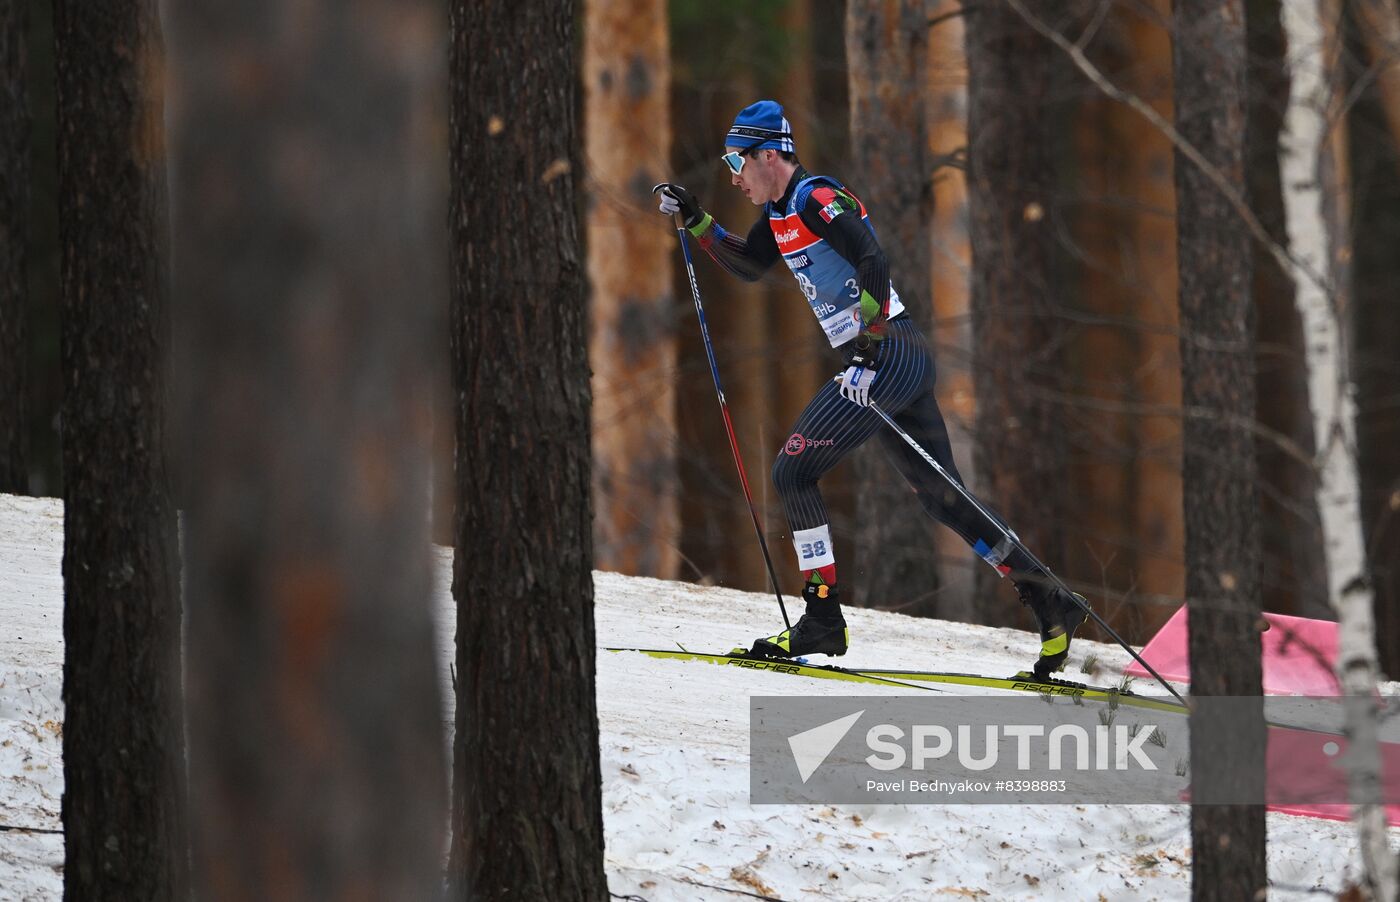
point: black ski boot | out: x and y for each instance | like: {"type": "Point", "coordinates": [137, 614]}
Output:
{"type": "Point", "coordinates": [1057, 614]}
{"type": "Point", "coordinates": [822, 630]}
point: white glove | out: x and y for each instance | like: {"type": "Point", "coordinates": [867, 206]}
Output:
{"type": "Point", "coordinates": [669, 205]}
{"type": "Point", "coordinates": [855, 384]}
{"type": "Point", "coordinates": [675, 199]}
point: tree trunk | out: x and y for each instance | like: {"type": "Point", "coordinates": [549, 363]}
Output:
{"type": "Point", "coordinates": [950, 285]}
{"type": "Point", "coordinates": [1375, 366]}
{"type": "Point", "coordinates": [1220, 501]}
{"type": "Point", "coordinates": [626, 79]}
{"type": "Point", "coordinates": [1294, 579]}
{"type": "Point", "coordinates": [718, 531]}
{"type": "Point", "coordinates": [1123, 419]}
{"type": "Point", "coordinates": [14, 235]}
{"type": "Point", "coordinates": [1317, 198]}
{"type": "Point", "coordinates": [307, 257]}
{"type": "Point", "coordinates": [527, 802]}
{"type": "Point", "coordinates": [1316, 171]}
{"type": "Point", "coordinates": [798, 358]}
{"type": "Point", "coordinates": [44, 370]}
{"type": "Point", "coordinates": [123, 737]}
{"type": "Point", "coordinates": [1020, 456]}
{"type": "Point", "coordinates": [887, 64]}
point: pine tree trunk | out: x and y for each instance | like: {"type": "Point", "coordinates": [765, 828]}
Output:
{"type": "Point", "coordinates": [1294, 578]}
{"type": "Point", "coordinates": [887, 64]}
{"type": "Point", "coordinates": [951, 265]}
{"type": "Point", "coordinates": [718, 530]}
{"type": "Point", "coordinates": [307, 248]}
{"type": "Point", "coordinates": [527, 809]}
{"type": "Point", "coordinates": [14, 235]}
{"type": "Point", "coordinates": [44, 376]}
{"type": "Point", "coordinates": [739, 328]}
{"type": "Point", "coordinates": [1122, 420]}
{"type": "Point", "coordinates": [123, 738]}
{"type": "Point", "coordinates": [1020, 457]}
{"type": "Point", "coordinates": [798, 358]}
{"type": "Point", "coordinates": [1219, 472]}
{"type": "Point", "coordinates": [632, 310]}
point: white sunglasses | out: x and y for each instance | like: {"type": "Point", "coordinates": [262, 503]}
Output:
{"type": "Point", "coordinates": [735, 160]}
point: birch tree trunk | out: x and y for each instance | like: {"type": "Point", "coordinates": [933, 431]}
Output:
{"type": "Point", "coordinates": [1316, 173]}
{"type": "Point", "coordinates": [631, 250]}
{"type": "Point", "coordinates": [1314, 162]}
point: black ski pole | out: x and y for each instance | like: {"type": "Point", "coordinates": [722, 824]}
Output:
{"type": "Point", "coordinates": [1015, 540]}
{"type": "Point", "coordinates": [724, 409]}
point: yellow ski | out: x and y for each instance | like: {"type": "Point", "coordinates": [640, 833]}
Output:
{"type": "Point", "coordinates": [917, 679]}
{"type": "Point", "coordinates": [777, 665]}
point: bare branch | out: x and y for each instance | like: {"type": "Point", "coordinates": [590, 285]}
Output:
{"type": "Point", "coordinates": [1092, 29]}
{"type": "Point", "coordinates": [1285, 260]}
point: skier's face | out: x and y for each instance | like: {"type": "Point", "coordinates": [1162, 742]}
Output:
{"type": "Point", "coordinates": [756, 175]}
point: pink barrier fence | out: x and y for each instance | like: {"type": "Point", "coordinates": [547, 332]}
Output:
{"type": "Point", "coordinates": [1299, 656]}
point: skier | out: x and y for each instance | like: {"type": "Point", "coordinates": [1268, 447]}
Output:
{"type": "Point", "coordinates": [816, 226]}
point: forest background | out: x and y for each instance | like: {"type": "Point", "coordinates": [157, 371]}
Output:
{"type": "Point", "coordinates": [1047, 284]}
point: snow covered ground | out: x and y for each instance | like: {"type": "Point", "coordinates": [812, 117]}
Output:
{"type": "Point", "coordinates": [675, 763]}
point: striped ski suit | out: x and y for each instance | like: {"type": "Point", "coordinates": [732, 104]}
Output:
{"type": "Point", "coordinates": [822, 232]}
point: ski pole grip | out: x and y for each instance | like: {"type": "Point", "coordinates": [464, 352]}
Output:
{"type": "Point", "coordinates": [675, 217]}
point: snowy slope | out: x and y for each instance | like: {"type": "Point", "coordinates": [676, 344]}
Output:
{"type": "Point", "coordinates": [675, 763]}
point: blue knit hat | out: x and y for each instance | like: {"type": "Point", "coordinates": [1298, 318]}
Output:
{"type": "Point", "coordinates": [761, 125]}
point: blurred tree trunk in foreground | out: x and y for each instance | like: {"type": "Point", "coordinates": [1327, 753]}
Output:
{"type": "Point", "coordinates": [887, 65]}
{"type": "Point", "coordinates": [627, 84]}
{"type": "Point", "coordinates": [123, 737]}
{"type": "Point", "coordinates": [14, 235]}
{"type": "Point", "coordinates": [1220, 494]}
{"type": "Point", "coordinates": [306, 261]}
{"type": "Point", "coordinates": [527, 817]}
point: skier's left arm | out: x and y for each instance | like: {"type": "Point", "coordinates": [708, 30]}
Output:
{"type": "Point", "coordinates": [835, 215]}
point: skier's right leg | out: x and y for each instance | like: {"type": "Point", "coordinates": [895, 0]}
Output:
{"type": "Point", "coordinates": [1056, 612]}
